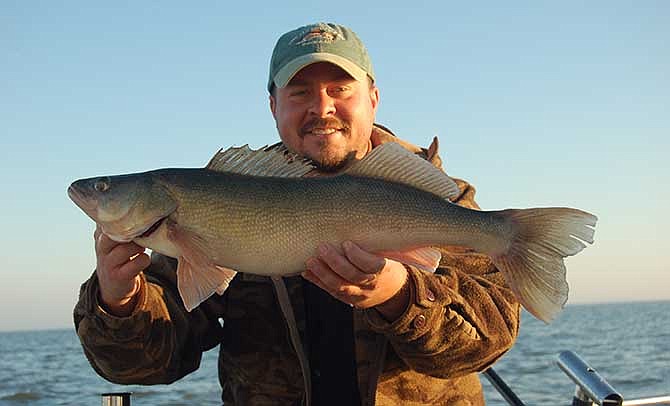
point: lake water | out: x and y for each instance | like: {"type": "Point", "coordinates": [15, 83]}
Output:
{"type": "Point", "coordinates": [627, 343]}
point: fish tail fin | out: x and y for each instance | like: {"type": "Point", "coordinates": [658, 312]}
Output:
{"type": "Point", "coordinates": [533, 261]}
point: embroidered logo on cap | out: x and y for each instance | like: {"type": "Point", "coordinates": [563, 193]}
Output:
{"type": "Point", "coordinates": [320, 34]}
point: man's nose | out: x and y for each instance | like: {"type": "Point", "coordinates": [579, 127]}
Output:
{"type": "Point", "coordinates": [322, 104]}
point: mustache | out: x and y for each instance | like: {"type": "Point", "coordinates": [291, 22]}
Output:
{"type": "Point", "coordinates": [330, 122]}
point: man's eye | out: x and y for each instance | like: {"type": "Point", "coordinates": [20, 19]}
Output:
{"type": "Point", "coordinates": [298, 92]}
{"type": "Point", "coordinates": [339, 91]}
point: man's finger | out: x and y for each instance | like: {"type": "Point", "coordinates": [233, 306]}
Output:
{"type": "Point", "coordinates": [321, 270]}
{"type": "Point", "coordinates": [331, 282]}
{"type": "Point", "coordinates": [122, 253]}
{"type": "Point", "coordinates": [341, 265]}
{"type": "Point", "coordinates": [345, 293]}
{"type": "Point", "coordinates": [104, 245]}
{"type": "Point", "coordinates": [134, 266]}
{"type": "Point", "coordinates": [310, 276]}
{"type": "Point", "coordinates": [363, 260]}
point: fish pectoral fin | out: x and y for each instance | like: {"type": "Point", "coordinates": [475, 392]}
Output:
{"type": "Point", "coordinates": [198, 277]}
{"type": "Point", "coordinates": [426, 259]}
{"type": "Point", "coordinates": [197, 283]}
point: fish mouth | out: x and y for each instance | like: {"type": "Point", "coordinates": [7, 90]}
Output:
{"type": "Point", "coordinates": [80, 198]}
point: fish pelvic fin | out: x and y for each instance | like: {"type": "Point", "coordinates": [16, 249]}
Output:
{"type": "Point", "coordinates": [196, 284]}
{"type": "Point", "coordinates": [274, 161]}
{"type": "Point", "coordinates": [198, 277]}
{"type": "Point", "coordinates": [393, 163]}
{"type": "Point", "coordinates": [533, 262]}
{"type": "Point", "coordinates": [426, 259]}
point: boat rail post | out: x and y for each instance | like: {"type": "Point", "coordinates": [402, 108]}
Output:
{"type": "Point", "coordinates": [115, 399]}
{"type": "Point", "coordinates": [505, 391]}
{"type": "Point", "coordinates": [591, 387]}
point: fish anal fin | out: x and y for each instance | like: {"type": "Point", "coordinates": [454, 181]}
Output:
{"type": "Point", "coordinates": [426, 258]}
{"type": "Point", "coordinates": [393, 163]}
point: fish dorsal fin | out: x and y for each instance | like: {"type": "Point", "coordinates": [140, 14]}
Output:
{"type": "Point", "coordinates": [274, 161]}
{"type": "Point", "coordinates": [391, 162]}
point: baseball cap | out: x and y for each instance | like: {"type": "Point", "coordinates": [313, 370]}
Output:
{"type": "Point", "coordinates": [320, 42]}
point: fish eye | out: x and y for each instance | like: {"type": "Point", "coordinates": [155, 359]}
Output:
{"type": "Point", "coordinates": [101, 185]}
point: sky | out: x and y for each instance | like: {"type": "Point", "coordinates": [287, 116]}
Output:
{"type": "Point", "coordinates": [536, 103]}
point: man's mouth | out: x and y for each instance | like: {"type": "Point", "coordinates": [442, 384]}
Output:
{"type": "Point", "coordinates": [324, 127]}
{"type": "Point", "coordinates": [323, 131]}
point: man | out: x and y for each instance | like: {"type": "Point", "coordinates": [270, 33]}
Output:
{"type": "Point", "coordinates": [333, 335]}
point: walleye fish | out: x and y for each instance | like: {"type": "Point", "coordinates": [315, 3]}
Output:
{"type": "Point", "coordinates": [256, 212]}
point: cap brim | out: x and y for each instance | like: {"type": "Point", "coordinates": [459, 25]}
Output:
{"type": "Point", "coordinates": [289, 70]}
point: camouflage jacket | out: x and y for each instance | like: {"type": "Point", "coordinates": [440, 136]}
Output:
{"type": "Point", "coordinates": [460, 320]}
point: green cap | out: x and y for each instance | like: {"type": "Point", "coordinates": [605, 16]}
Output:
{"type": "Point", "coordinates": [320, 42]}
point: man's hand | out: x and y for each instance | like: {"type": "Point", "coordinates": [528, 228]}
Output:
{"type": "Point", "coordinates": [360, 278]}
{"type": "Point", "coordinates": [118, 269]}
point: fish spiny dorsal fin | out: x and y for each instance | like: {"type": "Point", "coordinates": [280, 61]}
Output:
{"type": "Point", "coordinates": [391, 162]}
{"type": "Point", "coordinates": [274, 161]}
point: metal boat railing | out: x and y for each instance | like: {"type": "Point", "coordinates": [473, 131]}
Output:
{"type": "Point", "coordinates": [591, 388]}
{"type": "Point", "coordinates": [116, 399]}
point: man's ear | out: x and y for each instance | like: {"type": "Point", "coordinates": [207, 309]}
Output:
{"type": "Point", "coordinates": [273, 106]}
{"type": "Point", "coordinates": [374, 98]}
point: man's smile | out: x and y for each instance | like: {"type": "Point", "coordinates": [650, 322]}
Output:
{"type": "Point", "coordinates": [323, 131]}
{"type": "Point", "coordinates": [320, 132]}
{"type": "Point", "coordinates": [323, 127]}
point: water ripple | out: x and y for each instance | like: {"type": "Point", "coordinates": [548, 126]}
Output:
{"type": "Point", "coordinates": [629, 344]}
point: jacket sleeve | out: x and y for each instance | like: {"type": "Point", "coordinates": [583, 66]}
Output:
{"type": "Point", "coordinates": [159, 342]}
{"type": "Point", "coordinates": [459, 320]}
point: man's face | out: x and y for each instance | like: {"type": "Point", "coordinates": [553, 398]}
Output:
{"type": "Point", "coordinates": [325, 115]}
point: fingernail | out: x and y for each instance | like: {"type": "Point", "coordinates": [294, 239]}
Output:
{"type": "Point", "coordinates": [347, 245]}
{"type": "Point", "coordinates": [323, 249]}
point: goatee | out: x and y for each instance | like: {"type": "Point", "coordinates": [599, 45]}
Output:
{"type": "Point", "coordinates": [329, 160]}
{"type": "Point", "coordinates": [332, 163]}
